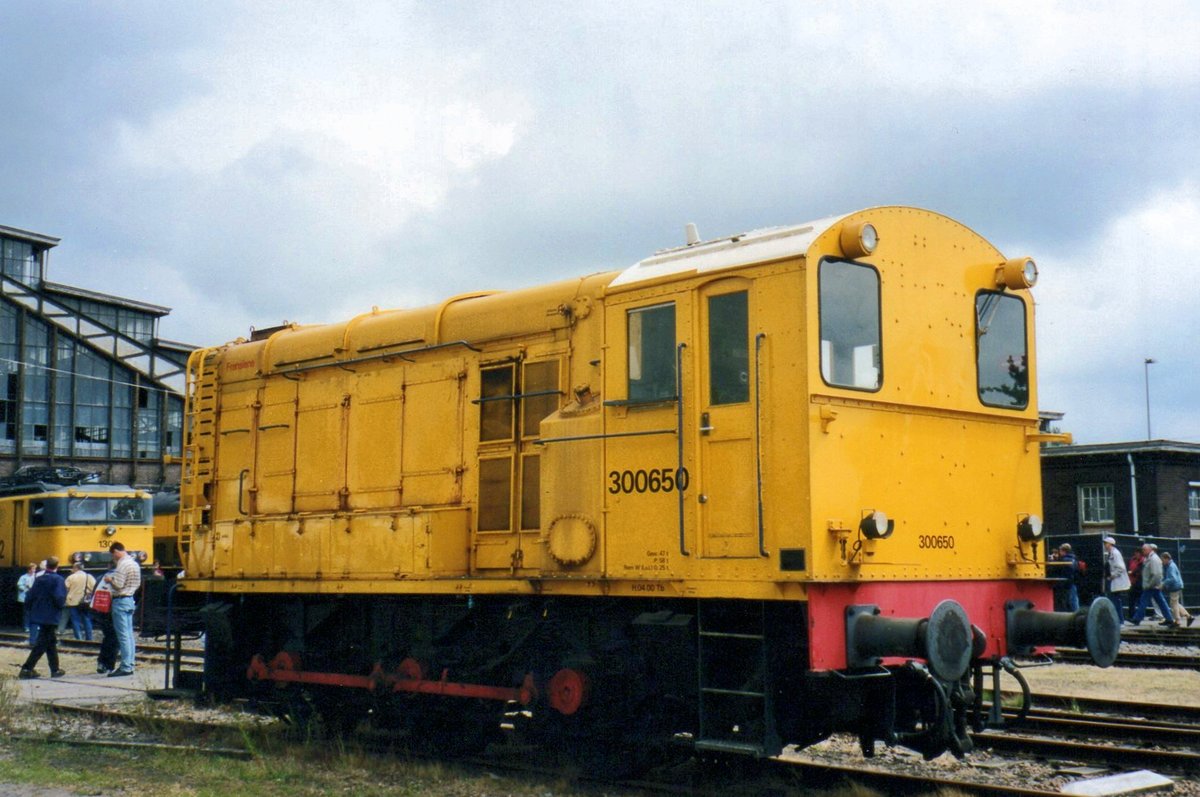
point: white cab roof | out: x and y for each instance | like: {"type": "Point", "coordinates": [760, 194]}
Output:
{"type": "Point", "coordinates": [756, 246]}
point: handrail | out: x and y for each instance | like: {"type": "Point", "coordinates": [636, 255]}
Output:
{"type": "Point", "coordinates": [242, 490]}
{"type": "Point", "coordinates": [758, 339]}
{"type": "Point", "coordinates": [679, 439]}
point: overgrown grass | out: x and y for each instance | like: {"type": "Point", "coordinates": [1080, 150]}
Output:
{"type": "Point", "coordinates": [8, 700]}
{"type": "Point", "coordinates": [301, 771]}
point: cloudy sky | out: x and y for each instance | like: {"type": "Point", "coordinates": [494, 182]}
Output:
{"type": "Point", "coordinates": [251, 162]}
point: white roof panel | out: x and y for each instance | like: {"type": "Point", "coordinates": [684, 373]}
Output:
{"type": "Point", "coordinates": [756, 246]}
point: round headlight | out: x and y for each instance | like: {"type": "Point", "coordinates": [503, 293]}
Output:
{"type": "Point", "coordinates": [859, 239]}
{"type": "Point", "coordinates": [869, 238]}
{"type": "Point", "coordinates": [1031, 272]}
{"type": "Point", "coordinates": [1029, 528]}
{"type": "Point", "coordinates": [1020, 272]}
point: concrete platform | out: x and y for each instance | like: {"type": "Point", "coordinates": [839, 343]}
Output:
{"type": "Point", "coordinates": [89, 690]}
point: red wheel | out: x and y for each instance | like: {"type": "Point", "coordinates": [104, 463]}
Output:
{"type": "Point", "coordinates": [568, 691]}
{"type": "Point", "coordinates": [411, 670]}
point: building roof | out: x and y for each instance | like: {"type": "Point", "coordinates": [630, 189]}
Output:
{"type": "Point", "coordinates": [1138, 447]}
{"type": "Point", "coordinates": [31, 237]}
{"type": "Point", "coordinates": [105, 298]}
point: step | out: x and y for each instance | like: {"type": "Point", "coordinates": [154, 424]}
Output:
{"type": "Point", "coordinates": [723, 746]}
{"type": "Point", "coordinates": [729, 635]}
{"type": "Point", "coordinates": [709, 690]}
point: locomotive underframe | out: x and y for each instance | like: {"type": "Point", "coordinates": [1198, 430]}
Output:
{"type": "Point", "coordinates": [632, 677]}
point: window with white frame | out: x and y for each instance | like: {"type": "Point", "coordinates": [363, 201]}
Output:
{"type": "Point", "coordinates": [1096, 503]}
{"type": "Point", "coordinates": [1194, 503]}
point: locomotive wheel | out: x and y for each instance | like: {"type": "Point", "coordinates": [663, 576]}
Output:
{"type": "Point", "coordinates": [312, 715]}
{"type": "Point", "coordinates": [445, 726]}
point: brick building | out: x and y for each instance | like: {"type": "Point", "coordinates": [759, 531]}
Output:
{"type": "Point", "coordinates": [1147, 488]}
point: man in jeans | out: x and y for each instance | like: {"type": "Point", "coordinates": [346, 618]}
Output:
{"type": "Point", "coordinates": [124, 581]}
{"type": "Point", "coordinates": [1152, 579]}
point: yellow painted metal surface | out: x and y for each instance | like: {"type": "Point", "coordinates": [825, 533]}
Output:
{"type": "Point", "coordinates": [491, 444]}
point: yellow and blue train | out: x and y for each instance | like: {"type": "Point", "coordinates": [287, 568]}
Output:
{"type": "Point", "coordinates": [747, 492]}
{"type": "Point", "coordinates": [73, 522]}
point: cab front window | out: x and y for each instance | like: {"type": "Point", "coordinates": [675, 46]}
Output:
{"type": "Point", "coordinates": [851, 346]}
{"type": "Point", "coordinates": [1002, 350]}
{"type": "Point", "coordinates": [87, 510]}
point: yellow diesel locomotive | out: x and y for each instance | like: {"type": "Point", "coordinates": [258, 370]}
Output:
{"type": "Point", "coordinates": [744, 493]}
{"type": "Point", "coordinates": [73, 522]}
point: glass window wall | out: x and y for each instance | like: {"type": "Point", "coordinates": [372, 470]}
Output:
{"type": "Point", "coordinates": [19, 260]}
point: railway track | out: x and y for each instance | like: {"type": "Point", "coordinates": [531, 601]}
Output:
{"type": "Point", "coordinates": [150, 653]}
{"type": "Point", "coordinates": [1072, 724]}
{"type": "Point", "coordinates": [789, 771]}
{"type": "Point", "coordinates": [1175, 761]}
{"type": "Point", "coordinates": [1161, 635]}
{"type": "Point", "coordinates": [1164, 712]}
{"type": "Point", "coordinates": [1153, 660]}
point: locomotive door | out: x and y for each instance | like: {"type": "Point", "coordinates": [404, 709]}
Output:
{"type": "Point", "coordinates": [727, 487]}
{"type": "Point", "coordinates": [10, 531]}
{"type": "Point", "coordinates": [515, 395]}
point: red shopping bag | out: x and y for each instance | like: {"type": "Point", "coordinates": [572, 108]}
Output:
{"type": "Point", "coordinates": [102, 601]}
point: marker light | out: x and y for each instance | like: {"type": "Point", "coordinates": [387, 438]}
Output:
{"type": "Point", "coordinates": [1029, 528]}
{"type": "Point", "coordinates": [859, 239]}
{"type": "Point", "coordinates": [1018, 273]}
{"type": "Point", "coordinates": [877, 526]}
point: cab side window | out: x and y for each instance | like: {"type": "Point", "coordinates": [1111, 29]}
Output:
{"type": "Point", "coordinates": [728, 348]}
{"type": "Point", "coordinates": [1002, 351]}
{"type": "Point", "coordinates": [652, 353]}
{"type": "Point", "coordinates": [851, 346]}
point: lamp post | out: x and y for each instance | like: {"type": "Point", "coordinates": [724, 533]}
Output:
{"type": "Point", "coordinates": [1146, 370]}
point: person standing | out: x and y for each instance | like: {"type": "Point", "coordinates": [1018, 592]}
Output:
{"type": "Point", "coordinates": [124, 581]}
{"type": "Point", "coordinates": [1173, 586]}
{"type": "Point", "coordinates": [106, 661]}
{"type": "Point", "coordinates": [1071, 566]}
{"type": "Point", "coordinates": [80, 585]}
{"type": "Point", "coordinates": [1116, 577]}
{"type": "Point", "coordinates": [1152, 580]}
{"type": "Point", "coordinates": [46, 599]}
{"type": "Point", "coordinates": [1135, 576]}
{"type": "Point", "coordinates": [23, 585]}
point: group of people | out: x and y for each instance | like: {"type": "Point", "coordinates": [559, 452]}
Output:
{"type": "Point", "coordinates": [48, 600]}
{"type": "Point", "coordinates": [1161, 582]}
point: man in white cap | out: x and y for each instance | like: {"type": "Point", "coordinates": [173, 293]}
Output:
{"type": "Point", "coordinates": [1116, 577]}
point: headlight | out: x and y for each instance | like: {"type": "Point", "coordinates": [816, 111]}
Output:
{"type": "Point", "coordinates": [1020, 272]}
{"type": "Point", "coordinates": [859, 240]}
{"type": "Point", "coordinates": [1029, 528]}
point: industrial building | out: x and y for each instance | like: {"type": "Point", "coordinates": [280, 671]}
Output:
{"type": "Point", "coordinates": [87, 381]}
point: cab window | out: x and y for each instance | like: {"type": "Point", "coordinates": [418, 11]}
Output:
{"type": "Point", "coordinates": [1002, 350]}
{"type": "Point", "coordinates": [652, 353]}
{"type": "Point", "coordinates": [87, 510]}
{"type": "Point", "coordinates": [128, 509]}
{"type": "Point", "coordinates": [851, 350]}
{"type": "Point", "coordinates": [728, 349]}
